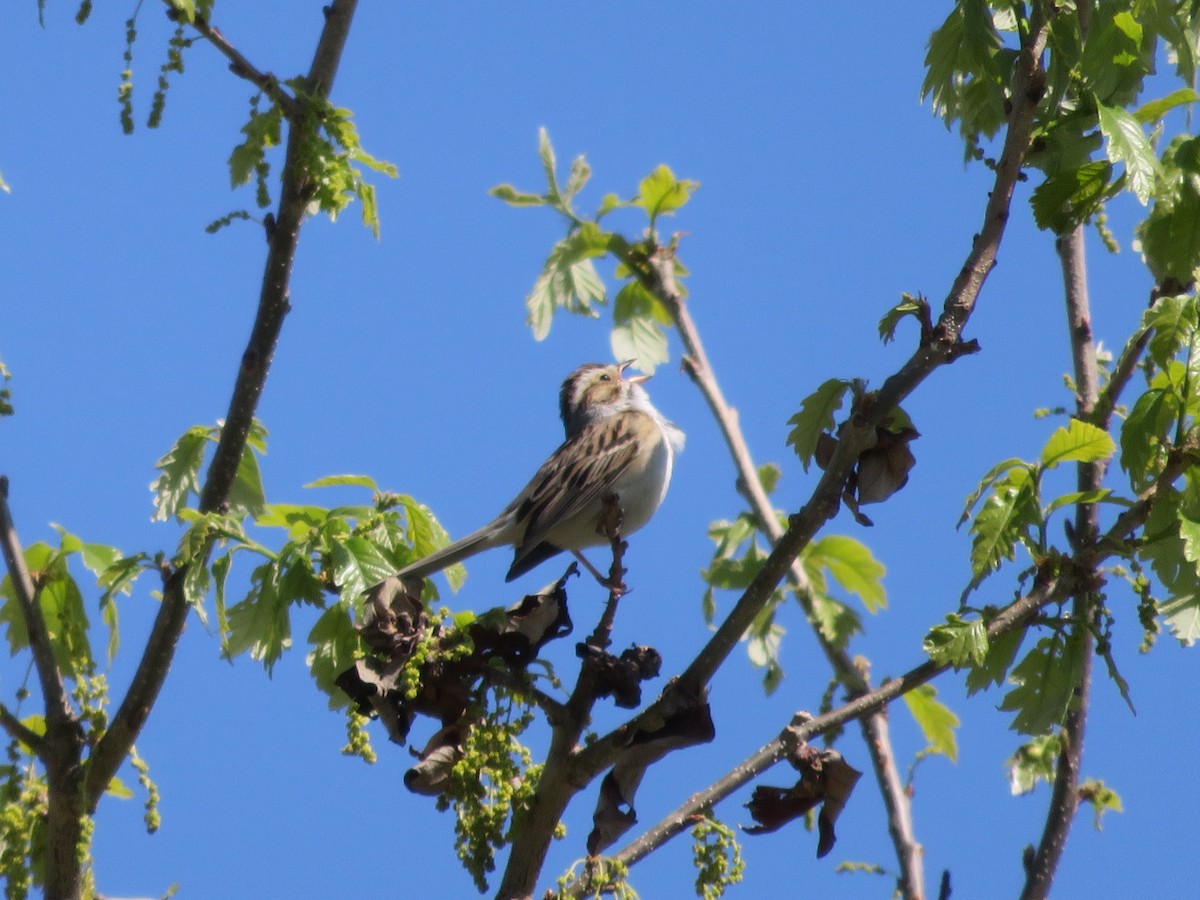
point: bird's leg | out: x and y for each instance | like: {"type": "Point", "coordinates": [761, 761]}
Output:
{"type": "Point", "coordinates": [603, 579]}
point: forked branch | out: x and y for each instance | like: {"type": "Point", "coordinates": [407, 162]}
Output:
{"type": "Point", "coordinates": [273, 306]}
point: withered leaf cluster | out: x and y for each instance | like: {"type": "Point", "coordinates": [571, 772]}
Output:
{"type": "Point", "coordinates": [879, 472]}
{"type": "Point", "coordinates": [826, 780]}
{"type": "Point", "coordinates": [687, 724]}
{"type": "Point", "coordinates": [382, 684]}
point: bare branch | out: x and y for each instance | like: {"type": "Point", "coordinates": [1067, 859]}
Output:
{"type": "Point", "coordinates": [1064, 798]}
{"type": "Point", "coordinates": [874, 727]}
{"type": "Point", "coordinates": [243, 68]}
{"type": "Point", "coordinates": [54, 693]}
{"type": "Point", "coordinates": [273, 306]}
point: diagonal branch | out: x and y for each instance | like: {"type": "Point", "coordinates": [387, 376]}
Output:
{"type": "Point", "coordinates": [54, 693]}
{"type": "Point", "coordinates": [296, 190]}
{"type": "Point", "coordinates": [243, 68]}
{"type": "Point", "coordinates": [1075, 573]}
{"type": "Point", "coordinates": [942, 346]}
{"type": "Point", "coordinates": [874, 726]}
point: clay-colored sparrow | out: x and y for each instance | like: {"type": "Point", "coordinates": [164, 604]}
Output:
{"type": "Point", "coordinates": [617, 444]}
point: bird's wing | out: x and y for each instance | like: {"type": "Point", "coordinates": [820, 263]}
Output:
{"type": "Point", "coordinates": [579, 472]}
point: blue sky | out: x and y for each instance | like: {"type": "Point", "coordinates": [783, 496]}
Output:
{"type": "Point", "coordinates": [825, 191]}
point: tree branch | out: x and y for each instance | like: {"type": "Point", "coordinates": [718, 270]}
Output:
{"type": "Point", "coordinates": [805, 728]}
{"type": "Point", "coordinates": [54, 693]}
{"type": "Point", "coordinates": [874, 727]}
{"type": "Point", "coordinates": [243, 68]}
{"type": "Point", "coordinates": [1064, 798]}
{"type": "Point", "coordinates": [942, 346]}
{"type": "Point", "coordinates": [1074, 574]}
{"type": "Point", "coordinates": [17, 730]}
{"type": "Point", "coordinates": [296, 190]}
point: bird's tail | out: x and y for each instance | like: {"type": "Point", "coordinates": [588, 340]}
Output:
{"type": "Point", "coordinates": [473, 543]}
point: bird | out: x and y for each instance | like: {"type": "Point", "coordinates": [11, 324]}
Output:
{"type": "Point", "coordinates": [617, 446]}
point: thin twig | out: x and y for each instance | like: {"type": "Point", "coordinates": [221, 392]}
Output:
{"type": "Point", "coordinates": [1064, 797]}
{"type": "Point", "coordinates": [240, 66]}
{"type": "Point", "coordinates": [611, 519]}
{"type": "Point", "coordinates": [874, 727]}
{"type": "Point", "coordinates": [296, 190]}
{"type": "Point", "coordinates": [54, 693]}
{"type": "Point", "coordinates": [1122, 372]}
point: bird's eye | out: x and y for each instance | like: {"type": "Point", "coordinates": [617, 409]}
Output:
{"type": "Point", "coordinates": [605, 377]}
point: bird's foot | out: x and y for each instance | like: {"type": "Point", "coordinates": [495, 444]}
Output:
{"type": "Point", "coordinates": [613, 586]}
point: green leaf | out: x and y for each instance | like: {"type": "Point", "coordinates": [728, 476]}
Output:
{"type": "Point", "coordinates": [816, 416]}
{"type": "Point", "coordinates": [1182, 616]}
{"type": "Point", "coordinates": [119, 789]}
{"type": "Point", "coordinates": [1126, 143]}
{"type": "Point", "coordinates": [1169, 236]}
{"type": "Point", "coordinates": [1077, 442]}
{"type": "Point", "coordinates": [1172, 322]}
{"type": "Point", "coordinates": [768, 476]}
{"type": "Point", "coordinates": [1003, 520]}
{"type": "Point", "coordinates": [335, 647]}
{"type": "Point", "coordinates": [661, 193]}
{"type": "Point", "coordinates": [1001, 651]}
{"type": "Point", "coordinates": [640, 339]}
{"type": "Point", "coordinates": [916, 307]}
{"type": "Point", "coordinates": [425, 534]}
{"type": "Point", "coordinates": [246, 494]}
{"type": "Point", "coordinates": [1153, 110]}
{"type": "Point", "coordinates": [608, 203]}
{"type": "Point", "coordinates": [638, 317]}
{"type": "Point", "coordinates": [220, 574]}
{"type": "Point", "coordinates": [358, 565]}
{"type": "Point", "coordinates": [179, 473]}
{"type": "Point", "coordinates": [1069, 198]}
{"type": "Point", "coordinates": [363, 481]}
{"type": "Point", "coordinates": [763, 639]}
{"type": "Point", "coordinates": [62, 609]}
{"type": "Point", "coordinates": [120, 576]}
{"type": "Point", "coordinates": [1102, 798]}
{"type": "Point", "coordinates": [935, 720]}
{"type": "Point", "coordinates": [260, 624]}
{"type": "Point", "coordinates": [851, 565]}
{"type": "Point", "coordinates": [1077, 497]}
{"type": "Point", "coordinates": [837, 622]}
{"type": "Point", "coordinates": [1142, 434]}
{"type": "Point", "coordinates": [580, 173]}
{"type": "Point", "coordinates": [965, 70]}
{"type": "Point", "coordinates": [958, 642]}
{"type": "Point", "coordinates": [985, 484]}
{"type": "Point", "coordinates": [549, 164]}
{"type": "Point", "coordinates": [513, 197]}
{"type": "Point", "coordinates": [568, 281]}
{"type": "Point", "coordinates": [97, 558]}
{"type": "Point", "coordinates": [1115, 57]}
{"type": "Point", "coordinates": [1035, 760]}
{"type": "Point", "coordinates": [1045, 683]}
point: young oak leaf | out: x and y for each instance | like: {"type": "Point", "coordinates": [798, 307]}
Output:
{"type": "Point", "coordinates": [1077, 442]}
{"type": "Point", "coordinates": [816, 417]}
{"type": "Point", "coordinates": [936, 721]}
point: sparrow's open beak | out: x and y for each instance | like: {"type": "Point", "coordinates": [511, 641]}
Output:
{"type": "Point", "coordinates": [636, 379]}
